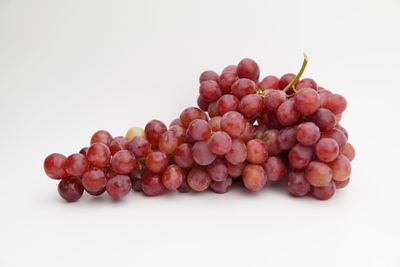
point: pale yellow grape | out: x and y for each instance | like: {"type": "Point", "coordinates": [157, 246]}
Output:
{"type": "Point", "coordinates": [134, 131]}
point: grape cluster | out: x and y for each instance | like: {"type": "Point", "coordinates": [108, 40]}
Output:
{"type": "Point", "coordinates": [244, 131]}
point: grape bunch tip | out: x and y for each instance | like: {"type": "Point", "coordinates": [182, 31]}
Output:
{"type": "Point", "coordinates": [244, 130]}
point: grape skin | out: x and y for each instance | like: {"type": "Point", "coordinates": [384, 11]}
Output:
{"type": "Point", "coordinates": [287, 113]}
{"type": "Point", "coordinates": [269, 82]}
{"type": "Point", "coordinates": [54, 165]}
{"type": "Point", "coordinates": [156, 161]}
{"type": "Point", "coordinates": [208, 75]}
{"type": "Point", "coordinates": [183, 156]}
{"type": "Point", "coordinates": [336, 134]}
{"type": "Point", "coordinates": [251, 105]}
{"type": "Point", "coordinates": [327, 149]}
{"type": "Point", "coordinates": [257, 151]}
{"type": "Point", "coordinates": [190, 114]}
{"type": "Point", "coordinates": [198, 179]}
{"type": "Point", "coordinates": [299, 156]}
{"type": "Point", "coordinates": [238, 152]}
{"type": "Point", "coordinates": [201, 154]}
{"type": "Point", "coordinates": [99, 155]}
{"type": "Point", "coordinates": [275, 168]}
{"type": "Point", "coordinates": [222, 186]}
{"type": "Point", "coordinates": [307, 133]}
{"type": "Point", "coordinates": [335, 103]}
{"type": "Point", "coordinates": [172, 177]}
{"type": "Point", "coordinates": [233, 123]}
{"type": "Point", "coordinates": [273, 99]}
{"type": "Point", "coordinates": [341, 168]}
{"type": "Point", "coordinates": [218, 170]}
{"type": "Point", "coordinates": [348, 151]}
{"type": "Point", "coordinates": [270, 137]}
{"type": "Point", "coordinates": [248, 68]}
{"type": "Point", "coordinates": [243, 87]}
{"type": "Point", "coordinates": [220, 143]}
{"type": "Point", "coordinates": [118, 143]}
{"type": "Point", "coordinates": [227, 103]}
{"type": "Point", "coordinates": [215, 123]}
{"type": "Point", "coordinates": [199, 130]}
{"type": "Point", "coordinates": [318, 174]}
{"type": "Point", "coordinates": [286, 138]}
{"type": "Point", "coordinates": [139, 146]}
{"type": "Point", "coordinates": [341, 184]}
{"type": "Point", "coordinates": [153, 131]}
{"type": "Point", "coordinates": [101, 136]}
{"type": "Point", "coordinates": [306, 83]}
{"type": "Point", "coordinates": [324, 119]}
{"type": "Point", "coordinates": [94, 181]}
{"type": "Point", "coordinates": [70, 189]}
{"type": "Point", "coordinates": [210, 91]}
{"type": "Point", "coordinates": [324, 192]}
{"type": "Point", "coordinates": [168, 142]}
{"type": "Point", "coordinates": [119, 186]}
{"type": "Point", "coordinates": [297, 184]}
{"type": "Point", "coordinates": [307, 101]}
{"type": "Point", "coordinates": [123, 162]}
{"type": "Point", "coordinates": [226, 79]}
{"type": "Point", "coordinates": [254, 177]}
{"type": "Point", "coordinates": [152, 184]}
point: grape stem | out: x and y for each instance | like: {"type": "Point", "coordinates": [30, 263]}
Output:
{"type": "Point", "coordinates": [298, 76]}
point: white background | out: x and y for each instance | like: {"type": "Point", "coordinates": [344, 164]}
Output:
{"type": "Point", "coordinates": [69, 68]}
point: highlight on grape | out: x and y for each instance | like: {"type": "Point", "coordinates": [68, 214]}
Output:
{"type": "Point", "coordinates": [245, 130]}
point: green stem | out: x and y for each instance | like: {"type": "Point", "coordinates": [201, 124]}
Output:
{"type": "Point", "coordinates": [298, 76]}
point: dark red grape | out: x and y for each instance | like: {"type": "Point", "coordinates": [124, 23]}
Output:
{"type": "Point", "coordinates": [287, 114]}
{"type": "Point", "coordinates": [76, 164]}
{"type": "Point", "coordinates": [299, 156]}
{"type": "Point", "coordinates": [153, 131]}
{"type": "Point", "coordinates": [152, 184]}
{"type": "Point", "coordinates": [251, 105]}
{"type": "Point", "coordinates": [190, 114]}
{"type": "Point", "coordinates": [123, 162]}
{"type": "Point", "coordinates": [54, 166]}
{"type": "Point", "coordinates": [243, 87]}
{"type": "Point", "coordinates": [70, 189]}
{"type": "Point", "coordinates": [94, 181]}
{"type": "Point", "coordinates": [248, 68]}
{"type": "Point", "coordinates": [273, 99]}
{"type": "Point", "coordinates": [203, 104]}
{"type": "Point", "coordinates": [297, 184]}
{"type": "Point", "coordinates": [227, 103]}
{"type": "Point", "coordinates": [119, 186]}
{"type": "Point", "coordinates": [225, 81]}
{"type": "Point", "coordinates": [210, 91]}
{"type": "Point", "coordinates": [117, 144]}
{"type": "Point", "coordinates": [287, 138]}
{"type": "Point", "coordinates": [324, 118]}
{"type": "Point", "coordinates": [139, 146]}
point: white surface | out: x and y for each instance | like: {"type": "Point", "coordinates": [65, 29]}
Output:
{"type": "Point", "coordinates": [69, 68]}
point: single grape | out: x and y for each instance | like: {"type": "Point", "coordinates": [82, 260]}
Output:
{"type": "Point", "coordinates": [324, 192]}
{"type": "Point", "coordinates": [249, 132]}
{"type": "Point", "coordinates": [318, 174]}
{"type": "Point", "coordinates": [94, 181]}
{"type": "Point", "coordinates": [287, 138]}
{"type": "Point", "coordinates": [248, 68]}
{"type": "Point", "coordinates": [341, 168]}
{"type": "Point", "coordinates": [306, 83]}
{"type": "Point", "coordinates": [287, 113]}
{"type": "Point", "coordinates": [76, 164]}
{"type": "Point", "coordinates": [99, 155]}
{"type": "Point", "coordinates": [198, 179]}
{"type": "Point", "coordinates": [218, 170]}
{"type": "Point", "coordinates": [54, 166]}
{"type": "Point", "coordinates": [117, 144]}
{"type": "Point", "coordinates": [153, 131]}
{"type": "Point", "coordinates": [275, 168]}
{"type": "Point", "coordinates": [134, 131]}
{"type": "Point", "coordinates": [156, 162]}
{"type": "Point", "coordinates": [101, 136]}
{"type": "Point", "coordinates": [327, 149]}
{"type": "Point", "coordinates": [251, 105]}
{"type": "Point", "coordinates": [230, 68]}
{"type": "Point", "coordinates": [269, 82]}
{"type": "Point", "coordinates": [225, 81]}
{"type": "Point", "coordinates": [243, 87]}
{"type": "Point", "coordinates": [273, 99]}
{"type": "Point", "coordinates": [220, 143]}
{"type": "Point", "coordinates": [307, 101]}
{"type": "Point", "coordinates": [297, 184]}
{"type": "Point", "coordinates": [152, 184]}
{"type": "Point", "coordinates": [335, 103]}
{"type": "Point", "coordinates": [176, 122]}
{"type": "Point", "coordinates": [190, 114]}
{"type": "Point", "coordinates": [202, 154]}
{"type": "Point", "coordinates": [172, 177]}
{"type": "Point", "coordinates": [307, 133]}
{"type": "Point", "coordinates": [235, 171]}
{"type": "Point", "coordinates": [254, 177]}
{"type": "Point", "coordinates": [119, 186]}
{"type": "Point", "coordinates": [70, 189]}
{"type": "Point", "coordinates": [341, 184]}
{"type": "Point", "coordinates": [336, 134]}
{"type": "Point", "coordinates": [270, 137]}
{"type": "Point", "coordinates": [183, 156]}
{"type": "Point", "coordinates": [227, 103]}
{"type": "Point", "coordinates": [203, 104]}
{"type": "Point", "coordinates": [348, 151]}
{"type": "Point", "coordinates": [257, 151]}
{"type": "Point", "coordinates": [213, 110]}
{"type": "Point", "coordinates": [210, 91]}
{"type": "Point", "coordinates": [238, 152]}
{"type": "Point", "coordinates": [324, 118]}
{"type": "Point", "coordinates": [215, 123]}
{"type": "Point", "coordinates": [233, 123]}
{"type": "Point", "coordinates": [180, 133]}
{"type": "Point", "coordinates": [222, 186]}
{"type": "Point", "coordinates": [199, 130]}
{"type": "Point", "coordinates": [299, 156]}
{"type": "Point", "coordinates": [208, 75]}
{"type": "Point", "coordinates": [168, 142]}
{"type": "Point", "coordinates": [123, 162]}
{"type": "Point", "coordinates": [139, 146]}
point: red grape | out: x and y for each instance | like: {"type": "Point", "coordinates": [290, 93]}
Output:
{"type": "Point", "coordinates": [222, 186]}
{"type": "Point", "coordinates": [123, 162]}
{"type": "Point", "coordinates": [318, 173]}
{"type": "Point", "coordinates": [297, 184]}
{"type": "Point", "coordinates": [341, 168]}
{"type": "Point", "coordinates": [199, 130]}
{"type": "Point", "coordinates": [335, 103]}
{"type": "Point", "coordinates": [76, 164]}
{"type": "Point", "coordinates": [251, 105]}
{"type": "Point", "coordinates": [180, 133]}
{"type": "Point", "coordinates": [203, 104]}
{"type": "Point", "coordinates": [190, 114]}
{"type": "Point", "coordinates": [210, 91]}
{"type": "Point", "coordinates": [248, 133]}
{"type": "Point", "coordinates": [257, 151]}
{"type": "Point", "coordinates": [225, 81]}
{"type": "Point", "coordinates": [307, 133]}
{"type": "Point", "coordinates": [172, 177]}
{"type": "Point", "coordinates": [168, 142]}
{"type": "Point", "coordinates": [227, 103]}
{"type": "Point", "coordinates": [287, 138]}
{"type": "Point", "coordinates": [176, 122]}
{"type": "Point", "coordinates": [324, 118]}
{"type": "Point", "coordinates": [341, 184]}
{"type": "Point", "coordinates": [230, 68]}
{"type": "Point", "coordinates": [269, 82]}
{"type": "Point", "coordinates": [117, 144]}
{"type": "Point", "coordinates": [198, 179]}
{"type": "Point", "coordinates": [101, 136]}
{"type": "Point", "coordinates": [235, 170]}
{"type": "Point", "coordinates": [248, 68]}
{"type": "Point", "coordinates": [156, 162]}
{"type": "Point", "coordinates": [306, 83]}
{"type": "Point", "coordinates": [215, 123]}
{"type": "Point", "coordinates": [299, 156]}
{"type": "Point", "coordinates": [238, 152]}
{"type": "Point", "coordinates": [220, 143]}
{"type": "Point", "coordinates": [218, 170]}
{"type": "Point", "coordinates": [274, 168]}
{"type": "Point", "coordinates": [94, 181]}
{"type": "Point", "coordinates": [348, 151]}
{"type": "Point", "coordinates": [243, 87]}
{"type": "Point", "coordinates": [287, 113]}
{"type": "Point", "coordinates": [152, 184]}
{"type": "Point", "coordinates": [99, 155]}
{"type": "Point", "coordinates": [273, 99]}
{"type": "Point", "coordinates": [54, 165]}
{"type": "Point", "coordinates": [153, 131]}
{"type": "Point", "coordinates": [213, 110]}
{"type": "Point", "coordinates": [270, 137]}
{"type": "Point", "coordinates": [208, 75]}
{"type": "Point", "coordinates": [119, 186]}
{"type": "Point", "coordinates": [139, 146]}
{"type": "Point", "coordinates": [285, 80]}
{"type": "Point", "coordinates": [336, 134]}
{"type": "Point", "coordinates": [254, 177]}
{"type": "Point", "coordinates": [70, 189]}
{"type": "Point", "coordinates": [83, 151]}
{"type": "Point", "coordinates": [307, 101]}
{"type": "Point", "coordinates": [183, 156]}
{"type": "Point", "coordinates": [324, 192]}
{"type": "Point", "coordinates": [327, 149]}
{"type": "Point", "coordinates": [233, 123]}
{"type": "Point", "coordinates": [201, 154]}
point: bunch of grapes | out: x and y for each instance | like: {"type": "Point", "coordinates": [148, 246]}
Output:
{"type": "Point", "coordinates": [245, 131]}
